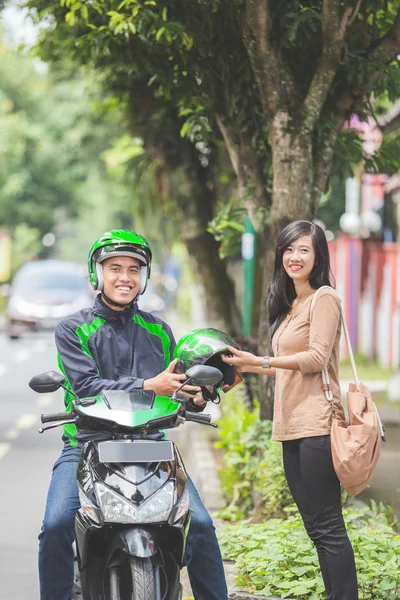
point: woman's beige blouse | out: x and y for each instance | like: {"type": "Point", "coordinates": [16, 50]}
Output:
{"type": "Point", "coordinates": [300, 408]}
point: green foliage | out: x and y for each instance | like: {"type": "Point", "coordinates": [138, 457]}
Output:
{"type": "Point", "coordinates": [387, 160]}
{"type": "Point", "coordinates": [252, 472]}
{"type": "Point", "coordinates": [26, 245]}
{"type": "Point", "coordinates": [333, 203]}
{"type": "Point", "coordinates": [276, 557]}
{"type": "Point", "coordinates": [228, 226]}
{"type": "Point", "coordinates": [35, 152]}
{"type": "Point", "coordinates": [55, 137]}
{"type": "Point", "coordinates": [188, 62]}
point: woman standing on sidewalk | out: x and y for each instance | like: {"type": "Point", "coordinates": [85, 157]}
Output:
{"type": "Point", "coordinates": [304, 344]}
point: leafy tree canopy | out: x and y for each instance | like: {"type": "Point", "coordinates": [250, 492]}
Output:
{"type": "Point", "coordinates": [242, 71]}
{"type": "Point", "coordinates": [55, 129]}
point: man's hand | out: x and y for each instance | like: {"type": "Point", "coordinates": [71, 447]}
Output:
{"type": "Point", "coordinates": [167, 382]}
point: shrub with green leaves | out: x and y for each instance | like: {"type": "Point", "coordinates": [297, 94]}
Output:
{"type": "Point", "coordinates": [252, 473]}
{"type": "Point", "coordinates": [277, 557]}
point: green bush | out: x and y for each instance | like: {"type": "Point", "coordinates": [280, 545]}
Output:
{"type": "Point", "coordinates": [277, 557]}
{"type": "Point", "coordinates": [252, 474]}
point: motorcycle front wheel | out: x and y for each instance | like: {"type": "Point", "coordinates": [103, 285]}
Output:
{"type": "Point", "coordinates": [142, 581]}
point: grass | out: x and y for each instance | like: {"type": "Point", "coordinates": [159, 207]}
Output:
{"type": "Point", "coordinates": [367, 369]}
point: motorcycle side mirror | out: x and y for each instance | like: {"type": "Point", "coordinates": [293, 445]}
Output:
{"type": "Point", "coordinates": [46, 383]}
{"type": "Point", "coordinates": [204, 375]}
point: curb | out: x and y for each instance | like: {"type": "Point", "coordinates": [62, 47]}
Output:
{"type": "Point", "coordinates": [199, 460]}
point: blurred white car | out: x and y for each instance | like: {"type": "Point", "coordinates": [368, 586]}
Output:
{"type": "Point", "coordinates": [45, 291]}
{"type": "Point", "coordinates": [151, 301]}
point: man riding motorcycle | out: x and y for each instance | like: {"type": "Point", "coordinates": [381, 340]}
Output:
{"type": "Point", "coordinates": [116, 346]}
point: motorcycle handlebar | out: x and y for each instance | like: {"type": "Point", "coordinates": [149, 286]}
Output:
{"type": "Point", "coordinates": [197, 417]}
{"type": "Point", "coordinates": [55, 417]}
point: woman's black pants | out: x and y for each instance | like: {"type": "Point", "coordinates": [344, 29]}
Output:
{"type": "Point", "coordinates": [316, 490]}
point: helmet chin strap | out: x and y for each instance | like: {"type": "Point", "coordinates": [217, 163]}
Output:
{"type": "Point", "coordinates": [113, 303]}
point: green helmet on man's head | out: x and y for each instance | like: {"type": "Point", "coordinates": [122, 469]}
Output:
{"type": "Point", "coordinates": [204, 347]}
{"type": "Point", "coordinates": [119, 242]}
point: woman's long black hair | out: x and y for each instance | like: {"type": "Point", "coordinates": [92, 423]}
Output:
{"type": "Point", "coordinates": [281, 291]}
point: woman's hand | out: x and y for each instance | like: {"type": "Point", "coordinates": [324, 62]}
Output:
{"type": "Point", "coordinates": [243, 361]}
{"type": "Point", "coordinates": [199, 400]}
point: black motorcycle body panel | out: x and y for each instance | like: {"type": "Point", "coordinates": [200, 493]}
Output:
{"type": "Point", "coordinates": [104, 545]}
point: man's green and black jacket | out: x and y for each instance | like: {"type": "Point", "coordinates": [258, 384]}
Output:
{"type": "Point", "coordinates": [103, 349]}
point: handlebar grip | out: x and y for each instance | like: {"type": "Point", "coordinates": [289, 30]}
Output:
{"type": "Point", "coordinates": [64, 416]}
{"type": "Point", "coordinates": [197, 417]}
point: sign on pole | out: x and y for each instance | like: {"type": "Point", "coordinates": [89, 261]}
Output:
{"type": "Point", "coordinates": [248, 249]}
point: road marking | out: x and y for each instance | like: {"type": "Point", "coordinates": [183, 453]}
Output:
{"type": "Point", "coordinates": [45, 400]}
{"type": "Point", "coordinates": [40, 345]}
{"type": "Point", "coordinates": [22, 354]}
{"type": "Point", "coordinates": [12, 434]}
{"type": "Point", "coordinates": [26, 421]}
{"type": "Point", "coordinates": [3, 369]}
{"type": "Point", "coordinates": [4, 448]}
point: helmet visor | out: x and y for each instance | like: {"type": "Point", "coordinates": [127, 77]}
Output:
{"type": "Point", "coordinates": [115, 250]}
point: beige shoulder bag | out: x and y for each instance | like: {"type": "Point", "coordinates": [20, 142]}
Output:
{"type": "Point", "coordinates": [355, 443]}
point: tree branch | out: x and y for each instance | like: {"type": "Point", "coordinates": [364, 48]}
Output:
{"type": "Point", "coordinates": [333, 32]}
{"type": "Point", "coordinates": [387, 48]}
{"type": "Point", "coordinates": [355, 13]}
{"type": "Point", "coordinates": [381, 52]}
{"type": "Point", "coordinates": [274, 80]}
{"type": "Point", "coordinates": [231, 145]}
{"type": "Point", "coordinates": [245, 164]}
{"type": "Point", "coordinates": [323, 156]}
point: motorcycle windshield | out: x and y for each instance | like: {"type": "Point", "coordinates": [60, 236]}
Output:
{"type": "Point", "coordinates": [129, 409]}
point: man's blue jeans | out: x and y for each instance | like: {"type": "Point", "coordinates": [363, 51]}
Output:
{"type": "Point", "coordinates": [203, 557]}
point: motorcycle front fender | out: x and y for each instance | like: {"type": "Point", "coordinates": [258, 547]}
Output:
{"type": "Point", "coordinates": [134, 541]}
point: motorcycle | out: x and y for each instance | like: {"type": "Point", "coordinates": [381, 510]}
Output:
{"type": "Point", "coordinates": [131, 528]}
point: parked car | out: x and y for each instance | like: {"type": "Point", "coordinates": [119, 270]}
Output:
{"type": "Point", "coordinates": [43, 292]}
{"type": "Point", "coordinates": [151, 301]}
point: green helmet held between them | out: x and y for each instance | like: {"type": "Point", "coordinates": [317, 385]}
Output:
{"type": "Point", "coordinates": [119, 242]}
{"type": "Point", "coordinates": [204, 347]}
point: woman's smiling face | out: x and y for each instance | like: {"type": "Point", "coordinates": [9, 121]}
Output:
{"type": "Point", "coordinates": [299, 258]}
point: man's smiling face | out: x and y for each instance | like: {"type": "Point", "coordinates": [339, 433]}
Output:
{"type": "Point", "coordinates": [121, 279]}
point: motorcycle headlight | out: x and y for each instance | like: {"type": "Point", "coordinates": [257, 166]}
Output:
{"type": "Point", "coordinates": [116, 509]}
{"type": "Point", "coordinates": [158, 508]}
{"type": "Point", "coordinates": [88, 508]}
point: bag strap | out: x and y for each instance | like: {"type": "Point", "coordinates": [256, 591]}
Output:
{"type": "Point", "coordinates": [325, 375]}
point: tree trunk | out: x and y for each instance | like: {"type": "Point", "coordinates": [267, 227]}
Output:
{"type": "Point", "coordinates": [292, 163]}
{"type": "Point", "coordinates": [219, 293]}
{"type": "Point", "coordinates": [291, 199]}
{"type": "Point", "coordinates": [218, 288]}
{"type": "Point", "coordinates": [191, 190]}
